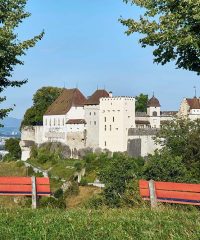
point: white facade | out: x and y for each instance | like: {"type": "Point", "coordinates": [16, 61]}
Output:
{"type": "Point", "coordinates": [56, 128]}
{"type": "Point", "coordinates": [116, 116]}
{"type": "Point", "coordinates": [92, 127]}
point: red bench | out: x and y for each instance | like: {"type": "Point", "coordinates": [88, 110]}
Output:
{"type": "Point", "coordinates": [25, 186]}
{"type": "Point", "coordinates": [170, 192]}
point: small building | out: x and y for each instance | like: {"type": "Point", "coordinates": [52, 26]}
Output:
{"type": "Point", "coordinates": [190, 108]}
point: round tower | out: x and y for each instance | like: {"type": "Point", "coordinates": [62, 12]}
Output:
{"type": "Point", "coordinates": [153, 110]}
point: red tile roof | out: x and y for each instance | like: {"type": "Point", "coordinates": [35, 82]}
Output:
{"type": "Point", "coordinates": [67, 99]}
{"type": "Point", "coordinates": [153, 102]}
{"type": "Point", "coordinates": [76, 121]}
{"type": "Point", "coordinates": [95, 98]}
{"type": "Point", "coordinates": [194, 103]}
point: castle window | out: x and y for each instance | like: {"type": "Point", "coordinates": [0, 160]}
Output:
{"type": "Point", "coordinates": [105, 127]}
{"type": "Point", "coordinates": [105, 119]}
{"type": "Point", "coordinates": [113, 119]}
{"type": "Point", "coordinates": [49, 122]}
{"type": "Point", "coordinates": [155, 114]}
{"type": "Point", "coordinates": [58, 122]}
{"type": "Point", "coordinates": [95, 123]}
{"type": "Point", "coordinates": [110, 128]}
{"type": "Point", "coordinates": [94, 113]}
{"type": "Point", "coordinates": [90, 113]}
{"type": "Point", "coordinates": [105, 143]}
{"type": "Point", "coordinates": [63, 121]}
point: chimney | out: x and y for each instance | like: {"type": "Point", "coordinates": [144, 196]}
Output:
{"type": "Point", "coordinates": [110, 94]}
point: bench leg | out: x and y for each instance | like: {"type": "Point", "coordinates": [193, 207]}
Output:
{"type": "Point", "coordinates": [153, 198]}
{"type": "Point", "coordinates": [34, 193]}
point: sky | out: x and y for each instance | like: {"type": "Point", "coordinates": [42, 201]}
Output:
{"type": "Point", "coordinates": [85, 46]}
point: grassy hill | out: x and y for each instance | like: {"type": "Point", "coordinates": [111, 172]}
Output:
{"type": "Point", "coordinates": [106, 224]}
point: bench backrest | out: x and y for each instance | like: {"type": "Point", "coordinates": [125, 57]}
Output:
{"type": "Point", "coordinates": [23, 186]}
{"type": "Point", "coordinates": [170, 192]}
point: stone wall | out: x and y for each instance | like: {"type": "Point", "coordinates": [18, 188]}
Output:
{"type": "Point", "coordinates": [141, 142]}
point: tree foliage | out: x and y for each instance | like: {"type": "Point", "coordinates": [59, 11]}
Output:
{"type": "Point", "coordinates": [141, 103]}
{"type": "Point", "coordinates": [165, 167]}
{"type": "Point", "coordinates": [12, 13]}
{"type": "Point", "coordinates": [180, 139]}
{"type": "Point", "coordinates": [119, 171]}
{"type": "Point", "coordinates": [172, 28]}
{"type": "Point", "coordinates": [42, 99]}
{"type": "Point", "coordinates": [12, 146]}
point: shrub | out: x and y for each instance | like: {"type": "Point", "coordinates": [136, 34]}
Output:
{"type": "Point", "coordinates": [58, 193]}
{"type": "Point", "coordinates": [12, 146]}
{"type": "Point", "coordinates": [116, 175]}
{"type": "Point", "coordinates": [51, 202]}
{"type": "Point", "coordinates": [83, 182]}
{"type": "Point", "coordinates": [73, 190]}
{"type": "Point", "coordinates": [165, 167]}
{"type": "Point", "coordinates": [9, 158]}
{"type": "Point", "coordinates": [95, 202]}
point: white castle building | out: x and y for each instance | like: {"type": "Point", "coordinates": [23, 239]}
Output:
{"type": "Point", "coordinates": [102, 121]}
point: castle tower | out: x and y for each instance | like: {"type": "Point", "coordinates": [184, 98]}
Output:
{"type": "Point", "coordinates": [153, 111]}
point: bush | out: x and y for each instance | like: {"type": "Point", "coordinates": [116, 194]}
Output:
{"type": "Point", "coordinates": [95, 202]}
{"type": "Point", "coordinates": [30, 171]}
{"type": "Point", "coordinates": [83, 182]}
{"type": "Point", "coordinates": [9, 158]}
{"type": "Point", "coordinates": [164, 167]}
{"type": "Point", "coordinates": [116, 175]}
{"type": "Point", "coordinates": [51, 202]}
{"type": "Point", "coordinates": [58, 193]}
{"type": "Point", "coordinates": [73, 190]}
{"type": "Point", "coordinates": [12, 146]}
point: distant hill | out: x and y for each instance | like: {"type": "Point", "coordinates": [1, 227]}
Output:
{"type": "Point", "coordinates": [11, 127]}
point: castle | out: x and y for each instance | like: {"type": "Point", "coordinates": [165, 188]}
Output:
{"type": "Point", "coordinates": [102, 121]}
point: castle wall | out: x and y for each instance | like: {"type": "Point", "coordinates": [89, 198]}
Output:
{"type": "Point", "coordinates": [92, 125]}
{"type": "Point", "coordinates": [117, 115]}
{"type": "Point", "coordinates": [143, 139]}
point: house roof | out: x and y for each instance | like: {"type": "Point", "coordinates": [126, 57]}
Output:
{"type": "Point", "coordinates": [95, 98]}
{"type": "Point", "coordinates": [153, 102]}
{"type": "Point", "coordinates": [194, 103]}
{"type": "Point", "coordinates": [67, 99]}
{"type": "Point", "coordinates": [76, 121]}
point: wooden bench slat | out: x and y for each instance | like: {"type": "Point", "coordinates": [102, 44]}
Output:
{"type": "Point", "coordinates": [23, 180]}
{"type": "Point", "coordinates": [42, 181]}
{"type": "Point", "coordinates": [15, 180]}
{"type": "Point", "coordinates": [170, 186]}
{"type": "Point", "coordinates": [171, 194]}
{"type": "Point", "coordinates": [23, 188]}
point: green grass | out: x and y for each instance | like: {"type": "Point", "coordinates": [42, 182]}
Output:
{"type": "Point", "coordinates": [62, 169]}
{"type": "Point", "coordinates": [12, 169]}
{"type": "Point", "coordinates": [101, 225]}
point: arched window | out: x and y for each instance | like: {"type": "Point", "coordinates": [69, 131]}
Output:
{"type": "Point", "coordinates": [155, 114]}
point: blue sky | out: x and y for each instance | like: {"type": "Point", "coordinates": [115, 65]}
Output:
{"type": "Point", "coordinates": [85, 46]}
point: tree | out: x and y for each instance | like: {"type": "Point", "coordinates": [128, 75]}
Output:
{"type": "Point", "coordinates": [118, 172]}
{"type": "Point", "coordinates": [141, 103]}
{"type": "Point", "coordinates": [165, 167]}
{"type": "Point", "coordinates": [172, 28]}
{"type": "Point", "coordinates": [42, 99]}
{"type": "Point", "coordinates": [12, 146]}
{"type": "Point", "coordinates": [12, 13]}
{"type": "Point", "coordinates": [181, 138]}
